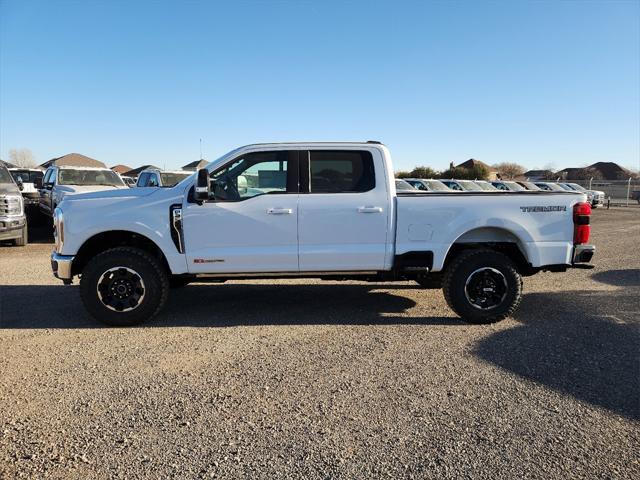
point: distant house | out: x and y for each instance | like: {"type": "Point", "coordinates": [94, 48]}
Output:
{"type": "Point", "coordinates": [136, 171]}
{"type": "Point", "coordinates": [611, 171]}
{"type": "Point", "coordinates": [535, 175]}
{"type": "Point", "coordinates": [599, 171]}
{"type": "Point", "coordinates": [73, 160]}
{"type": "Point", "coordinates": [121, 169]}
{"type": "Point", "coordinates": [473, 163]}
{"type": "Point", "coordinates": [7, 164]}
{"type": "Point", "coordinates": [198, 164]}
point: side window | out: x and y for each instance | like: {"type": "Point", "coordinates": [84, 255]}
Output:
{"type": "Point", "coordinates": [253, 174]}
{"type": "Point", "coordinates": [153, 180]}
{"type": "Point", "coordinates": [341, 171]}
{"type": "Point", "coordinates": [48, 177]}
{"type": "Point", "coordinates": [142, 179]}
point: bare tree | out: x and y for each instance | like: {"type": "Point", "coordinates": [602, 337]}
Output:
{"type": "Point", "coordinates": [22, 157]}
{"type": "Point", "coordinates": [509, 169]}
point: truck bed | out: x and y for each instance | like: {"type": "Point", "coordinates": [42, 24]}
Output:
{"type": "Point", "coordinates": [540, 223]}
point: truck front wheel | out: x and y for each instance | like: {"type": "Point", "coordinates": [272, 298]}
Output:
{"type": "Point", "coordinates": [23, 239]}
{"type": "Point", "coordinates": [482, 286]}
{"type": "Point", "coordinates": [124, 286]}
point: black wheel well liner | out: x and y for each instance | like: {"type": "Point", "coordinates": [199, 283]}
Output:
{"type": "Point", "coordinates": [510, 249]}
{"type": "Point", "coordinates": [115, 238]}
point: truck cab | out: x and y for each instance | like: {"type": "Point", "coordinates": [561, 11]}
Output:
{"type": "Point", "coordinates": [322, 210]}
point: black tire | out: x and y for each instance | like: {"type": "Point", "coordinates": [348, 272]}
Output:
{"type": "Point", "coordinates": [142, 277]}
{"type": "Point", "coordinates": [482, 286]}
{"type": "Point", "coordinates": [24, 238]}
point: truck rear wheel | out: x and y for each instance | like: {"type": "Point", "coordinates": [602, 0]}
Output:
{"type": "Point", "coordinates": [124, 286]}
{"type": "Point", "coordinates": [482, 286]}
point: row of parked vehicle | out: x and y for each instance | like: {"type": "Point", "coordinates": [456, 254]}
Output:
{"type": "Point", "coordinates": [594, 197]}
{"type": "Point", "coordinates": [25, 192]}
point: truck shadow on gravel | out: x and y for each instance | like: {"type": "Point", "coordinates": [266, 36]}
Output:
{"type": "Point", "coordinates": [582, 343]}
{"type": "Point", "coordinates": [619, 278]}
{"type": "Point", "coordinates": [52, 306]}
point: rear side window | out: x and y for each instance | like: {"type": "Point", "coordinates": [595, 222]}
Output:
{"type": "Point", "coordinates": [341, 171]}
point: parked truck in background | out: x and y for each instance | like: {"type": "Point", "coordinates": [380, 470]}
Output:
{"type": "Point", "coordinates": [13, 221]}
{"type": "Point", "coordinates": [325, 210]}
{"type": "Point", "coordinates": [28, 178]}
{"type": "Point", "coordinates": [60, 181]}
{"type": "Point", "coordinates": [153, 177]}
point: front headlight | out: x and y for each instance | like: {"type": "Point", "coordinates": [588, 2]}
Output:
{"type": "Point", "coordinates": [11, 205]}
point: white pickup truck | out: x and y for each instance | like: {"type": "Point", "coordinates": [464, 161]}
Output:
{"type": "Point", "coordinates": [325, 210]}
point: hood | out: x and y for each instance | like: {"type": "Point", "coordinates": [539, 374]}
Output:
{"type": "Point", "coordinates": [72, 189]}
{"type": "Point", "coordinates": [9, 188]}
{"type": "Point", "coordinates": [109, 193]}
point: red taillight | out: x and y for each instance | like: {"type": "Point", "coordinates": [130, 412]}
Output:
{"type": "Point", "coordinates": [581, 220]}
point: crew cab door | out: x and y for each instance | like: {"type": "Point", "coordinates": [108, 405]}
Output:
{"type": "Point", "coordinates": [250, 224]}
{"type": "Point", "coordinates": [344, 210]}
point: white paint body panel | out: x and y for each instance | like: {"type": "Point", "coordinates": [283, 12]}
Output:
{"type": "Point", "coordinates": [434, 223]}
{"type": "Point", "coordinates": [242, 237]}
{"type": "Point", "coordinates": [346, 231]}
{"type": "Point", "coordinates": [324, 232]}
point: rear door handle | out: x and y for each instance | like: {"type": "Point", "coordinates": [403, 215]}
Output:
{"type": "Point", "coordinates": [370, 210]}
{"type": "Point", "coordinates": [280, 211]}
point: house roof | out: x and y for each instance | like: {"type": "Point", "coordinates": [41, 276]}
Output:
{"type": "Point", "coordinates": [7, 164]}
{"type": "Point", "coordinates": [74, 160]}
{"type": "Point", "coordinates": [611, 171]}
{"type": "Point", "coordinates": [537, 173]}
{"type": "Point", "coordinates": [120, 168]}
{"type": "Point", "coordinates": [136, 171]}
{"type": "Point", "coordinates": [195, 165]}
{"type": "Point", "coordinates": [472, 162]}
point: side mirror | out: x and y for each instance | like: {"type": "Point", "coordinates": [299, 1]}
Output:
{"type": "Point", "coordinates": [20, 184]}
{"type": "Point", "coordinates": [48, 185]}
{"type": "Point", "coordinates": [203, 187]}
{"type": "Point", "coordinates": [38, 183]}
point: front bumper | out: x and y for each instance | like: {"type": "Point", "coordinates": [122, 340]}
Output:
{"type": "Point", "coordinates": [582, 255]}
{"type": "Point", "coordinates": [11, 227]}
{"type": "Point", "coordinates": [61, 266]}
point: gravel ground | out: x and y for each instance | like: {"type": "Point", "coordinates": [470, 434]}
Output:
{"type": "Point", "coordinates": [309, 379]}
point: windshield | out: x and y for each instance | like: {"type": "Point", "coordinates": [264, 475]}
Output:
{"type": "Point", "coordinates": [68, 176]}
{"type": "Point", "coordinates": [171, 179]}
{"type": "Point", "coordinates": [567, 187]}
{"type": "Point", "coordinates": [437, 185]}
{"type": "Point", "coordinates": [470, 186]}
{"type": "Point", "coordinates": [514, 186]}
{"type": "Point", "coordinates": [530, 186]}
{"type": "Point", "coordinates": [27, 176]}
{"type": "Point", "coordinates": [4, 175]}
{"type": "Point", "coordinates": [402, 185]}
{"type": "Point", "coordinates": [577, 187]}
{"type": "Point", "coordinates": [485, 186]}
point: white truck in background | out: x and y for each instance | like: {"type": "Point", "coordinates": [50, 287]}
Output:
{"type": "Point", "coordinates": [60, 181]}
{"type": "Point", "coordinates": [327, 210]}
{"type": "Point", "coordinates": [13, 220]}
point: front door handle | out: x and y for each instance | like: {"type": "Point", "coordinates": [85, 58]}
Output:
{"type": "Point", "coordinates": [370, 210]}
{"type": "Point", "coordinates": [280, 211]}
